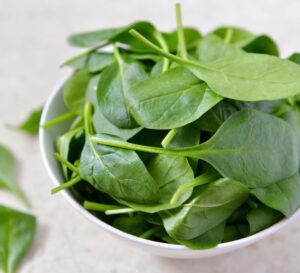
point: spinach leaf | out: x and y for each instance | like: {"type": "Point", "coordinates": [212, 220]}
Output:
{"type": "Point", "coordinates": [246, 77]}
{"type": "Point", "coordinates": [235, 152]}
{"type": "Point", "coordinates": [295, 58]}
{"type": "Point", "coordinates": [7, 177]}
{"type": "Point", "coordinates": [100, 123]}
{"type": "Point", "coordinates": [231, 233]}
{"type": "Point", "coordinates": [132, 224]}
{"type": "Point", "coordinates": [93, 62]}
{"type": "Point", "coordinates": [283, 196]}
{"type": "Point", "coordinates": [170, 172]}
{"type": "Point", "coordinates": [209, 206]}
{"type": "Point", "coordinates": [157, 104]}
{"type": "Point", "coordinates": [209, 239]}
{"type": "Point", "coordinates": [113, 86]}
{"type": "Point", "coordinates": [31, 124]}
{"type": "Point", "coordinates": [260, 218]}
{"type": "Point", "coordinates": [248, 41]}
{"type": "Point", "coordinates": [75, 91]}
{"type": "Point", "coordinates": [117, 172]}
{"type": "Point", "coordinates": [17, 230]}
{"type": "Point", "coordinates": [69, 146]}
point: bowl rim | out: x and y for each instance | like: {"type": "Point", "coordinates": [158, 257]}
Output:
{"type": "Point", "coordinates": [67, 195]}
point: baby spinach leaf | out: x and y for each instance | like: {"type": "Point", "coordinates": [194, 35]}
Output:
{"type": "Point", "coordinates": [69, 146]}
{"type": "Point", "coordinates": [209, 239]}
{"type": "Point", "coordinates": [7, 174]}
{"type": "Point", "coordinates": [209, 206]}
{"type": "Point", "coordinates": [231, 233]}
{"type": "Point", "coordinates": [191, 35]}
{"type": "Point", "coordinates": [17, 230]}
{"type": "Point", "coordinates": [246, 77]}
{"type": "Point", "coordinates": [169, 172]}
{"type": "Point", "coordinates": [113, 86]}
{"type": "Point", "coordinates": [132, 224]}
{"type": "Point", "coordinates": [248, 41]}
{"type": "Point", "coordinates": [75, 91]}
{"type": "Point", "coordinates": [283, 196]}
{"type": "Point", "coordinates": [120, 34]}
{"type": "Point", "coordinates": [93, 62]}
{"type": "Point", "coordinates": [235, 152]}
{"type": "Point", "coordinates": [157, 104]}
{"type": "Point", "coordinates": [295, 58]}
{"type": "Point", "coordinates": [117, 172]}
{"type": "Point", "coordinates": [32, 123]}
{"type": "Point", "coordinates": [261, 218]}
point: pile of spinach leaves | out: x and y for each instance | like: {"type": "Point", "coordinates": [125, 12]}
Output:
{"type": "Point", "coordinates": [181, 137]}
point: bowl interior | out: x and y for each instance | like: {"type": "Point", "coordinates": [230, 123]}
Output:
{"type": "Point", "coordinates": [55, 107]}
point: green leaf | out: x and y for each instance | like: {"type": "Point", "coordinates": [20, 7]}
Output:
{"type": "Point", "coordinates": [209, 206]}
{"type": "Point", "coordinates": [17, 230]}
{"type": "Point", "coordinates": [231, 233]}
{"type": "Point", "coordinates": [75, 91]}
{"type": "Point", "coordinates": [93, 62]}
{"type": "Point", "coordinates": [69, 146]}
{"type": "Point", "coordinates": [295, 58]}
{"type": "Point", "coordinates": [169, 172]}
{"type": "Point", "coordinates": [235, 152]}
{"type": "Point", "coordinates": [117, 172]}
{"type": "Point", "coordinates": [31, 124]}
{"type": "Point", "coordinates": [157, 104]}
{"type": "Point", "coordinates": [248, 41]}
{"type": "Point", "coordinates": [246, 77]}
{"type": "Point", "coordinates": [283, 196]}
{"type": "Point", "coordinates": [120, 34]}
{"type": "Point", "coordinates": [207, 240]}
{"type": "Point", "coordinates": [7, 174]}
{"type": "Point", "coordinates": [261, 218]}
{"type": "Point", "coordinates": [113, 86]}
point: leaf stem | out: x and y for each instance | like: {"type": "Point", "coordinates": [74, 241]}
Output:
{"type": "Point", "coordinates": [180, 33]}
{"type": "Point", "coordinates": [149, 232]}
{"type": "Point", "coordinates": [228, 35]}
{"type": "Point", "coordinates": [120, 211]}
{"type": "Point", "coordinates": [165, 47]}
{"type": "Point", "coordinates": [165, 54]}
{"type": "Point", "coordinates": [68, 164]}
{"type": "Point", "coordinates": [59, 119]}
{"type": "Point", "coordinates": [141, 148]}
{"type": "Point", "coordinates": [198, 181]}
{"type": "Point", "coordinates": [168, 138]}
{"type": "Point", "coordinates": [88, 109]}
{"type": "Point", "coordinates": [66, 185]}
{"type": "Point", "coordinates": [100, 207]}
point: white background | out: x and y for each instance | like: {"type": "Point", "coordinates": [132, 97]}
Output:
{"type": "Point", "coordinates": [32, 46]}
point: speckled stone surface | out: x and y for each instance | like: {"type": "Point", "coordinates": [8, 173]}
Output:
{"type": "Point", "coordinates": [32, 45]}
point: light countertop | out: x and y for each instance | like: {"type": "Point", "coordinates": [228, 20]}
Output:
{"type": "Point", "coordinates": [32, 46]}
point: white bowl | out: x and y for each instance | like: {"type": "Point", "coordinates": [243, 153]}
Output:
{"type": "Point", "coordinates": [55, 107]}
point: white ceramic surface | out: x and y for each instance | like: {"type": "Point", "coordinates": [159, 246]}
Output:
{"type": "Point", "coordinates": [55, 107]}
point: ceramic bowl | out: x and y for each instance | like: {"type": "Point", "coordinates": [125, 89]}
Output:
{"type": "Point", "coordinates": [55, 107]}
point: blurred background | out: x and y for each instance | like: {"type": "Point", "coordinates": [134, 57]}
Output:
{"type": "Point", "coordinates": [32, 46]}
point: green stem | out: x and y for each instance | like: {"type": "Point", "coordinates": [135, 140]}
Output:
{"type": "Point", "coordinates": [120, 211]}
{"type": "Point", "coordinates": [228, 35]}
{"type": "Point", "coordinates": [86, 53]}
{"type": "Point", "coordinates": [252, 203]}
{"type": "Point", "coordinates": [68, 164]}
{"type": "Point", "coordinates": [180, 33]}
{"type": "Point", "coordinates": [100, 207]}
{"type": "Point", "coordinates": [150, 232]}
{"type": "Point", "coordinates": [88, 109]}
{"type": "Point", "coordinates": [168, 138]}
{"type": "Point", "coordinates": [66, 185]}
{"type": "Point", "coordinates": [142, 148]}
{"type": "Point", "coordinates": [168, 55]}
{"type": "Point", "coordinates": [165, 47]}
{"type": "Point", "coordinates": [59, 119]}
{"type": "Point", "coordinates": [198, 181]}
